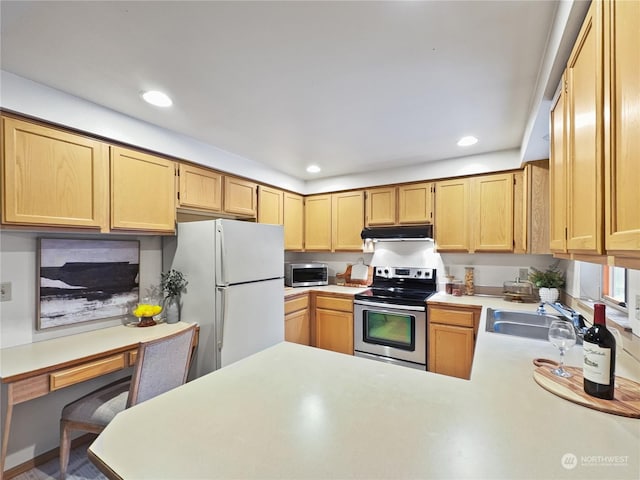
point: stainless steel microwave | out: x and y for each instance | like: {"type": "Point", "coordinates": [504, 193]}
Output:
{"type": "Point", "coordinates": [306, 274]}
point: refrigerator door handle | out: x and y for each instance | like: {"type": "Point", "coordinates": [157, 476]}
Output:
{"type": "Point", "coordinates": [223, 315]}
{"type": "Point", "coordinates": [222, 254]}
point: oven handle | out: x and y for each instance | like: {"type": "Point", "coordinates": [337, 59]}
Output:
{"type": "Point", "coordinates": [387, 306]}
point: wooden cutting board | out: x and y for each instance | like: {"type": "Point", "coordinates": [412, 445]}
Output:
{"type": "Point", "coordinates": [359, 271]}
{"type": "Point", "coordinates": [352, 282]}
{"type": "Point", "coordinates": [626, 400]}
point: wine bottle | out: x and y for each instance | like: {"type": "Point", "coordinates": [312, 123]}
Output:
{"type": "Point", "coordinates": [599, 365]}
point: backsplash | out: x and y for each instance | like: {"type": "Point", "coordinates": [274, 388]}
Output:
{"type": "Point", "coordinates": [490, 269]}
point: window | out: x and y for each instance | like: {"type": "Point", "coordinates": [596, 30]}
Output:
{"type": "Point", "coordinates": [614, 285]}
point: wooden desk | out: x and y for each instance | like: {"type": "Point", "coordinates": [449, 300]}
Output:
{"type": "Point", "coordinates": [36, 369]}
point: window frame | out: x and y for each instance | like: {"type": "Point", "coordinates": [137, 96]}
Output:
{"type": "Point", "coordinates": [607, 271]}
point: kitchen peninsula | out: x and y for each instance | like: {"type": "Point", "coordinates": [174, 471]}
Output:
{"type": "Point", "coordinates": [293, 411]}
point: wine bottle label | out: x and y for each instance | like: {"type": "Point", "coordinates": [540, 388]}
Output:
{"type": "Point", "coordinates": [597, 361]}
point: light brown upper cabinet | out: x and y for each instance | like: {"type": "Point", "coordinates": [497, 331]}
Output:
{"type": "Point", "coordinates": [240, 196]}
{"type": "Point", "coordinates": [53, 178]}
{"type": "Point", "coordinates": [595, 143]}
{"type": "Point", "coordinates": [492, 213]}
{"type": "Point", "coordinates": [520, 229]}
{"type": "Point", "coordinates": [347, 217]}
{"type": "Point", "coordinates": [270, 205]}
{"type": "Point", "coordinates": [199, 188]}
{"type": "Point", "coordinates": [293, 221]}
{"type": "Point", "coordinates": [414, 203]}
{"type": "Point", "coordinates": [204, 191]}
{"type": "Point", "coordinates": [333, 222]}
{"type": "Point", "coordinates": [400, 205]}
{"type": "Point", "coordinates": [585, 143]}
{"type": "Point", "coordinates": [622, 146]}
{"type": "Point", "coordinates": [475, 214]}
{"type": "Point", "coordinates": [451, 229]}
{"type": "Point", "coordinates": [381, 206]}
{"type": "Point", "coordinates": [558, 173]}
{"type": "Point", "coordinates": [142, 191]}
{"type": "Point", "coordinates": [317, 224]}
{"type": "Point", "coordinates": [531, 218]}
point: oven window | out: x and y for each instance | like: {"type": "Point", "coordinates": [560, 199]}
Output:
{"type": "Point", "coordinates": [390, 329]}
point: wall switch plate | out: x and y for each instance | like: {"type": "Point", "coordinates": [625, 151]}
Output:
{"type": "Point", "coordinates": [638, 307]}
{"type": "Point", "coordinates": [523, 273]}
{"type": "Point", "coordinates": [5, 291]}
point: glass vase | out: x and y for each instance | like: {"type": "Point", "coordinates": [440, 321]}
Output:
{"type": "Point", "coordinates": [172, 309]}
{"type": "Point", "coordinates": [469, 286]}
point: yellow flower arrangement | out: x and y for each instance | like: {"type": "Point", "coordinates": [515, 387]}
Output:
{"type": "Point", "coordinates": [146, 310]}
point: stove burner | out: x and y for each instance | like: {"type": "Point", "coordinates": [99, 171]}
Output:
{"type": "Point", "coordinates": [401, 286]}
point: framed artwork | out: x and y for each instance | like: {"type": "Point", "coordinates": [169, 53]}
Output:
{"type": "Point", "coordinates": [80, 280]}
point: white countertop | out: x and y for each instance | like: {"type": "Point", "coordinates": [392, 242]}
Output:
{"type": "Point", "coordinates": [299, 412]}
{"type": "Point", "coordinates": [288, 291]}
{"type": "Point", "coordinates": [33, 357]}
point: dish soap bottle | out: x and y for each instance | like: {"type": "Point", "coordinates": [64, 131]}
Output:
{"type": "Point", "coordinates": [599, 365]}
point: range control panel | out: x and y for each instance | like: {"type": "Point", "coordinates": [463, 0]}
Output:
{"type": "Point", "coordinates": [405, 272]}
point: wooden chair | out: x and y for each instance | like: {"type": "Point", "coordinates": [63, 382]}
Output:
{"type": "Point", "coordinates": [161, 365]}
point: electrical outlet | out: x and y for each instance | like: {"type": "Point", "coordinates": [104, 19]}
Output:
{"type": "Point", "coordinates": [638, 307]}
{"type": "Point", "coordinates": [523, 273]}
{"type": "Point", "coordinates": [5, 291]}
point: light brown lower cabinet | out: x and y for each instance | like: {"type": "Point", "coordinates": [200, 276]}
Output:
{"type": "Point", "coordinates": [333, 320]}
{"type": "Point", "coordinates": [297, 325]}
{"type": "Point", "coordinates": [452, 333]}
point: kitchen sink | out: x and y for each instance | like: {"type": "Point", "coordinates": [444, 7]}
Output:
{"type": "Point", "coordinates": [520, 324]}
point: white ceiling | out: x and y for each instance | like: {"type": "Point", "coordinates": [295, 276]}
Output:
{"type": "Point", "coordinates": [345, 85]}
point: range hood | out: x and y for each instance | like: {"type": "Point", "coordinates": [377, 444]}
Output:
{"type": "Point", "coordinates": [398, 234]}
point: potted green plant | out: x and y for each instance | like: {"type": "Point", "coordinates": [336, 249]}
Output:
{"type": "Point", "coordinates": [172, 284]}
{"type": "Point", "coordinates": [548, 282]}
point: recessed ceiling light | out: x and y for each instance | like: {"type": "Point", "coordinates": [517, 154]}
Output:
{"type": "Point", "coordinates": [313, 169]}
{"type": "Point", "coordinates": [159, 99]}
{"type": "Point", "coordinates": [467, 141]}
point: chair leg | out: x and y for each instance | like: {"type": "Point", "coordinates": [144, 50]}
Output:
{"type": "Point", "coordinates": [65, 446]}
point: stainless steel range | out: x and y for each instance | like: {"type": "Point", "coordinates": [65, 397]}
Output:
{"type": "Point", "coordinates": [390, 319]}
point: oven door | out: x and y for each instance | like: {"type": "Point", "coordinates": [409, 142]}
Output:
{"type": "Point", "coordinates": [391, 331]}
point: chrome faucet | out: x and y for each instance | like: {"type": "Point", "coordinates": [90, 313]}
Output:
{"type": "Point", "coordinates": [568, 314]}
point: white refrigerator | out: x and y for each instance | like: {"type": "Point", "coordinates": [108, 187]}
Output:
{"type": "Point", "coordinates": [235, 292]}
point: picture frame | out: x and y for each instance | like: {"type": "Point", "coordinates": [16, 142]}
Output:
{"type": "Point", "coordinates": [83, 280]}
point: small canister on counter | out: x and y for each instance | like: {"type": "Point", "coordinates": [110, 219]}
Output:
{"type": "Point", "coordinates": [457, 289]}
{"type": "Point", "coordinates": [448, 287]}
{"type": "Point", "coordinates": [469, 287]}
